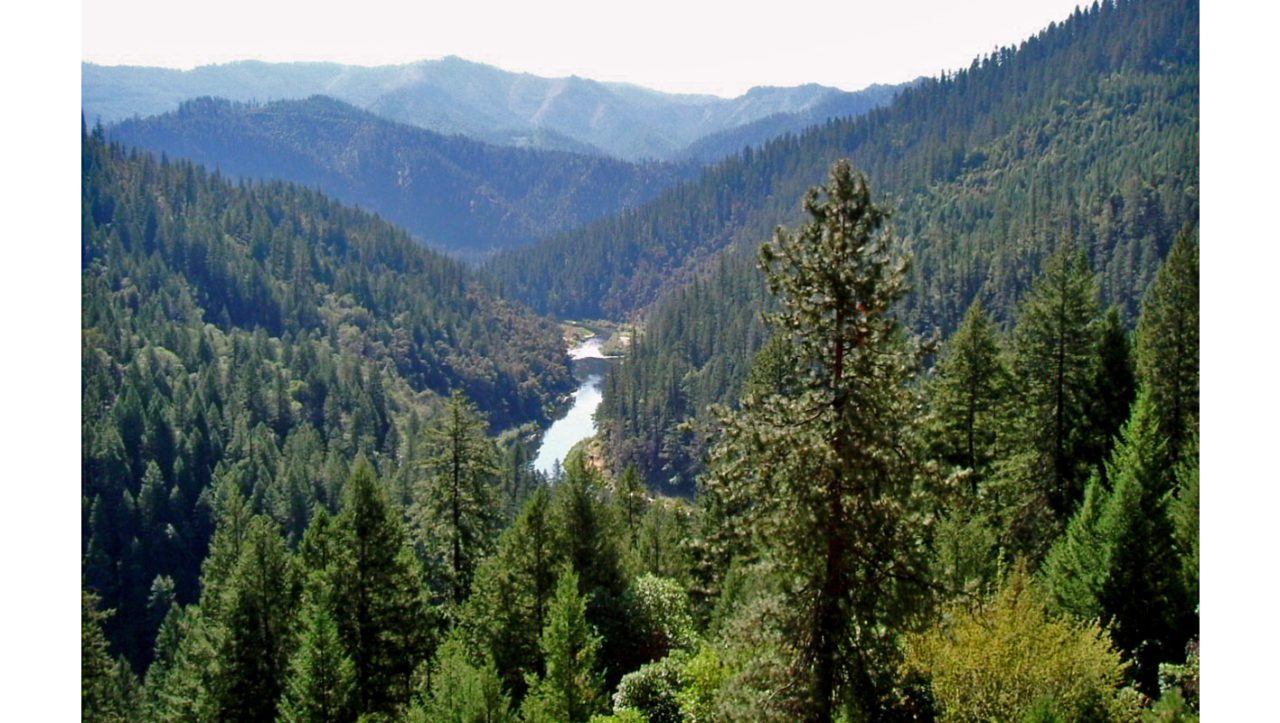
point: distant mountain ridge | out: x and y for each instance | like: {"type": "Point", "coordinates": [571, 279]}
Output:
{"type": "Point", "coordinates": [452, 95]}
{"type": "Point", "coordinates": [728, 142]}
{"type": "Point", "coordinates": [454, 193]}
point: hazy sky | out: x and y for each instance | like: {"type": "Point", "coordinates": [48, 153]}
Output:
{"type": "Point", "coordinates": [673, 45]}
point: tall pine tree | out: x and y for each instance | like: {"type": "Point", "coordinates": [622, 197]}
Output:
{"type": "Point", "coordinates": [378, 595]}
{"type": "Point", "coordinates": [458, 509]}
{"type": "Point", "coordinates": [830, 469]}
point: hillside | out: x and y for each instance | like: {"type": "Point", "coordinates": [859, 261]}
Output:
{"type": "Point", "coordinates": [453, 193]}
{"type": "Point", "coordinates": [722, 144]}
{"type": "Point", "coordinates": [452, 95]}
{"type": "Point", "coordinates": [264, 335]}
{"type": "Point", "coordinates": [1088, 131]}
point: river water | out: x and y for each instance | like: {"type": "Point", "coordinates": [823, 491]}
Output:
{"type": "Point", "coordinates": [589, 366]}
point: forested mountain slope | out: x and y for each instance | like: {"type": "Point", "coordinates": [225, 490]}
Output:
{"type": "Point", "coordinates": [451, 192]}
{"type": "Point", "coordinates": [716, 146]}
{"type": "Point", "coordinates": [452, 95]}
{"type": "Point", "coordinates": [1087, 132]}
{"type": "Point", "coordinates": [1089, 128]}
{"type": "Point", "coordinates": [261, 335]}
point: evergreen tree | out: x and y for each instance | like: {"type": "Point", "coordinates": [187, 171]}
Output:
{"type": "Point", "coordinates": [258, 618]}
{"type": "Point", "coordinates": [107, 687]}
{"type": "Point", "coordinates": [1185, 512]}
{"type": "Point", "coordinates": [1113, 388]}
{"type": "Point", "coordinates": [1077, 565]}
{"type": "Point", "coordinates": [1143, 597]}
{"type": "Point", "coordinates": [1168, 346]}
{"type": "Point", "coordinates": [322, 676]}
{"type": "Point", "coordinates": [377, 595]}
{"type": "Point", "coordinates": [830, 470]}
{"type": "Point", "coordinates": [571, 691]}
{"type": "Point", "coordinates": [1119, 561]}
{"type": "Point", "coordinates": [458, 508]}
{"type": "Point", "coordinates": [1052, 364]}
{"type": "Point", "coordinates": [461, 692]}
{"type": "Point", "coordinates": [967, 395]}
{"type": "Point", "coordinates": [507, 610]}
{"type": "Point", "coordinates": [591, 539]}
{"type": "Point", "coordinates": [631, 500]}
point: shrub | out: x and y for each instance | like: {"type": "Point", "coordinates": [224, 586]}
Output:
{"type": "Point", "coordinates": [1009, 657]}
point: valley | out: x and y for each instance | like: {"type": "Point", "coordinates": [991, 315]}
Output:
{"type": "Point", "coordinates": [438, 391]}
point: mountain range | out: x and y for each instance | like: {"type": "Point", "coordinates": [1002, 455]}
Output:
{"type": "Point", "coordinates": [452, 95]}
{"type": "Point", "coordinates": [451, 192]}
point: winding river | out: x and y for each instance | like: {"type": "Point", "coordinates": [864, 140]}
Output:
{"type": "Point", "coordinates": [589, 366]}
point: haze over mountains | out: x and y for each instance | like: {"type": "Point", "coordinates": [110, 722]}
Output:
{"type": "Point", "coordinates": [452, 95]}
{"type": "Point", "coordinates": [450, 192]}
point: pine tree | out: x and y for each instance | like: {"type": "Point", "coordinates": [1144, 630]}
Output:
{"type": "Point", "coordinates": [1184, 509]}
{"type": "Point", "coordinates": [967, 395]}
{"type": "Point", "coordinates": [377, 595]}
{"type": "Point", "coordinates": [458, 509]}
{"type": "Point", "coordinates": [105, 684]}
{"type": "Point", "coordinates": [258, 617]}
{"type": "Point", "coordinates": [322, 677]}
{"type": "Point", "coordinates": [1118, 560]}
{"type": "Point", "coordinates": [571, 691]}
{"type": "Point", "coordinates": [1168, 346]}
{"type": "Point", "coordinates": [1113, 388]}
{"type": "Point", "coordinates": [1143, 597]}
{"type": "Point", "coordinates": [630, 496]}
{"type": "Point", "coordinates": [461, 692]}
{"type": "Point", "coordinates": [507, 610]}
{"type": "Point", "coordinates": [829, 471]}
{"type": "Point", "coordinates": [1076, 567]}
{"type": "Point", "coordinates": [1053, 356]}
{"type": "Point", "coordinates": [591, 538]}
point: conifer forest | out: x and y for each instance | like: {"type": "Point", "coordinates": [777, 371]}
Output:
{"type": "Point", "coordinates": [898, 403]}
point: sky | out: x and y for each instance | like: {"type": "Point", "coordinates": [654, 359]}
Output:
{"type": "Point", "coordinates": [687, 46]}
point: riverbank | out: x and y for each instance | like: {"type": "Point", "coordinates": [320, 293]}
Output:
{"type": "Point", "coordinates": [590, 362]}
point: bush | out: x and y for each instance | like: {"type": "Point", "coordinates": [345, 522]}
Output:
{"type": "Point", "coordinates": [1007, 659]}
{"type": "Point", "coordinates": [652, 690]}
{"type": "Point", "coordinates": [661, 611]}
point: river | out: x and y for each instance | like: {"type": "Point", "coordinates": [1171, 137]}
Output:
{"type": "Point", "coordinates": [589, 366]}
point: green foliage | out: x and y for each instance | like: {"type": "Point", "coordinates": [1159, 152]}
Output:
{"type": "Point", "coordinates": [571, 690]}
{"type": "Point", "coordinates": [626, 715]}
{"type": "Point", "coordinates": [1118, 560]}
{"type": "Point", "coordinates": [1006, 658]}
{"type": "Point", "coordinates": [257, 620]}
{"type": "Point", "coordinates": [1180, 686]}
{"type": "Point", "coordinates": [652, 690]}
{"type": "Point", "coordinates": [967, 396]}
{"type": "Point", "coordinates": [457, 506]}
{"type": "Point", "coordinates": [661, 620]}
{"type": "Point", "coordinates": [1088, 129]}
{"type": "Point", "coordinates": [966, 543]}
{"type": "Point", "coordinates": [661, 541]}
{"type": "Point", "coordinates": [461, 692]}
{"type": "Point", "coordinates": [262, 335]}
{"type": "Point", "coordinates": [829, 472]}
{"type": "Point", "coordinates": [322, 677]}
{"type": "Point", "coordinates": [377, 597]}
{"type": "Point", "coordinates": [1112, 389]}
{"type": "Point", "coordinates": [512, 593]}
{"type": "Point", "coordinates": [1052, 363]}
{"type": "Point", "coordinates": [1184, 511]}
{"type": "Point", "coordinates": [1168, 348]}
{"type": "Point", "coordinates": [703, 676]}
{"type": "Point", "coordinates": [1076, 568]}
{"type": "Point", "coordinates": [108, 688]}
